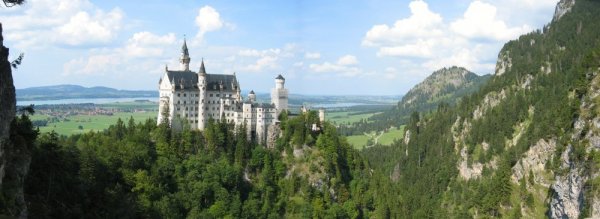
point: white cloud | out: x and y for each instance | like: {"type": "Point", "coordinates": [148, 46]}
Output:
{"type": "Point", "coordinates": [42, 23]}
{"type": "Point", "coordinates": [262, 63]}
{"type": "Point", "coordinates": [345, 66]}
{"type": "Point", "coordinates": [312, 55]}
{"type": "Point", "coordinates": [423, 23]}
{"type": "Point", "coordinates": [257, 53]}
{"type": "Point", "coordinates": [480, 21]}
{"type": "Point", "coordinates": [95, 64]}
{"type": "Point", "coordinates": [146, 44]}
{"type": "Point", "coordinates": [471, 40]}
{"type": "Point", "coordinates": [143, 49]}
{"type": "Point", "coordinates": [208, 20]}
{"type": "Point", "coordinates": [347, 60]}
{"type": "Point", "coordinates": [83, 28]}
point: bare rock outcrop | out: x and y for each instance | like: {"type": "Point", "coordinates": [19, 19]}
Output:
{"type": "Point", "coordinates": [567, 198]}
{"type": "Point", "coordinates": [563, 7]}
{"type": "Point", "coordinates": [534, 160]}
{"type": "Point", "coordinates": [7, 103]}
{"type": "Point", "coordinates": [504, 63]}
{"type": "Point", "coordinates": [273, 132]}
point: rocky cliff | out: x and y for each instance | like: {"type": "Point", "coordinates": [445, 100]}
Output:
{"type": "Point", "coordinates": [7, 101]}
{"type": "Point", "coordinates": [15, 145]}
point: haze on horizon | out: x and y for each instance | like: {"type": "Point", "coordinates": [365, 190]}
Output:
{"type": "Point", "coordinates": [335, 47]}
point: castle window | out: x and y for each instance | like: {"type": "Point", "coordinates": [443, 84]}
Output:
{"type": "Point", "coordinates": [178, 94]}
{"type": "Point", "coordinates": [218, 95]}
{"type": "Point", "coordinates": [184, 95]}
{"type": "Point", "coordinates": [186, 108]}
{"type": "Point", "coordinates": [184, 102]}
{"type": "Point", "coordinates": [210, 95]}
{"type": "Point", "coordinates": [178, 108]}
{"type": "Point", "coordinates": [178, 102]}
{"type": "Point", "coordinates": [196, 102]}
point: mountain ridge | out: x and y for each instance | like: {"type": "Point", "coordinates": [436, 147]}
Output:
{"type": "Point", "coordinates": [446, 85]}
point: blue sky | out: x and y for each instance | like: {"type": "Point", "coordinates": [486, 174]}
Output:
{"type": "Point", "coordinates": [334, 47]}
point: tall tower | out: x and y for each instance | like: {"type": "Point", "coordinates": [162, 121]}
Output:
{"type": "Point", "coordinates": [185, 57]}
{"type": "Point", "coordinates": [202, 96]}
{"type": "Point", "coordinates": [279, 95]}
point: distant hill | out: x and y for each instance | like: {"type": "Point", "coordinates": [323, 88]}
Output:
{"type": "Point", "coordinates": [75, 91]}
{"type": "Point", "coordinates": [446, 85]}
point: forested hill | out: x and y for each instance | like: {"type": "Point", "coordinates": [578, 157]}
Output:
{"type": "Point", "coordinates": [525, 145]}
{"type": "Point", "coordinates": [446, 85]}
{"type": "Point", "coordinates": [141, 170]}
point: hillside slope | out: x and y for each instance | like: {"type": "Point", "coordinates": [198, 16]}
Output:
{"type": "Point", "coordinates": [525, 145]}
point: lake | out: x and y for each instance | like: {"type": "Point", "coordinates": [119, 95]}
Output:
{"type": "Point", "coordinates": [76, 101]}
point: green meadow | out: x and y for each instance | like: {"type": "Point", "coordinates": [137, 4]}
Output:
{"type": "Point", "coordinates": [90, 122]}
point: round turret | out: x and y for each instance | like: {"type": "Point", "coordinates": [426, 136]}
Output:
{"type": "Point", "coordinates": [279, 82]}
{"type": "Point", "coordinates": [252, 96]}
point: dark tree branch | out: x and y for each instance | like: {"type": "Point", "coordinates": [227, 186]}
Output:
{"type": "Point", "coordinates": [10, 3]}
{"type": "Point", "coordinates": [15, 63]}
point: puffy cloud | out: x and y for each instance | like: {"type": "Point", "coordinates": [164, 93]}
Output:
{"type": "Point", "coordinates": [146, 44]}
{"type": "Point", "coordinates": [95, 64]}
{"type": "Point", "coordinates": [423, 23]}
{"type": "Point", "coordinates": [268, 59]}
{"type": "Point", "coordinates": [83, 28]}
{"type": "Point", "coordinates": [312, 55]}
{"type": "Point", "coordinates": [480, 21]}
{"type": "Point", "coordinates": [347, 60]}
{"type": "Point", "coordinates": [137, 49]}
{"type": "Point", "coordinates": [42, 23]}
{"type": "Point", "coordinates": [472, 40]}
{"type": "Point", "coordinates": [207, 20]}
{"type": "Point", "coordinates": [257, 53]}
{"type": "Point", "coordinates": [263, 63]}
{"type": "Point", "coordinates": [345, 66]}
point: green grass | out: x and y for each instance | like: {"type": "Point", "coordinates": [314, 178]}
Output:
{"type": "Point", "coordinates": [344, 117]}
{"type": "Point", "coordinates": [144, 105]}
{"type": "Point", "coordinates": [91, 122]}
{"type": "Point", "coordinates": [358, 141]}
{"type": "Point", "coordinates": [391, 135]}
{"type": "Point", "coordinates": [386, 139]}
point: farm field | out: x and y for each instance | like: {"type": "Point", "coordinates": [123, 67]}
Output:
{"type": "Point", "coordinates": [347, 117]}
{"type": "Point", "coordinates": [385, 139]}
{"type": "Point", "coordinates": [91, 122]}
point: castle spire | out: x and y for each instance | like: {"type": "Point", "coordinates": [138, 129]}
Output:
{"type": "Point", "coordinates": [184, 48]}
{"type": "Point", "coordinates": [185, 56]}
{"type": "Point", "coordinates": [202, 69]}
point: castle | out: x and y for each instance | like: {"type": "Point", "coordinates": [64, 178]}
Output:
{"type": "Point", "coordinates": [188, 97]}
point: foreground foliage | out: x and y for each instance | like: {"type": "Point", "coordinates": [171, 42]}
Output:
{"type": "Point", "coordinates": [141, 170]}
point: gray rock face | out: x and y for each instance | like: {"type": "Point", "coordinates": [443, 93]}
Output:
{"type": "Point", "coordinates": [563, 7]}
{"type": "Point", "coordinates": [14, 159]}
{"type": "Point", "coordinates": [273, 132]}
{"type": "Point", "coordinates": [7, 103]}
{"type": "Point", "coordinates": [567, 199]}
{"type": "Point", "coordinates": [534, 160]}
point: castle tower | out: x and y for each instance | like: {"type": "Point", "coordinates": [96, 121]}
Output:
{"type": "Point", "coordinates": [322, 115]}
{"type": "Point", "coordinates": [279, 95]}
{"type": "Point", "coordinates": [252, 96]}
{"type": "Point", "coordinates": [185, 57]}
{"type": "Point", "coordinates": [202, 96]}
